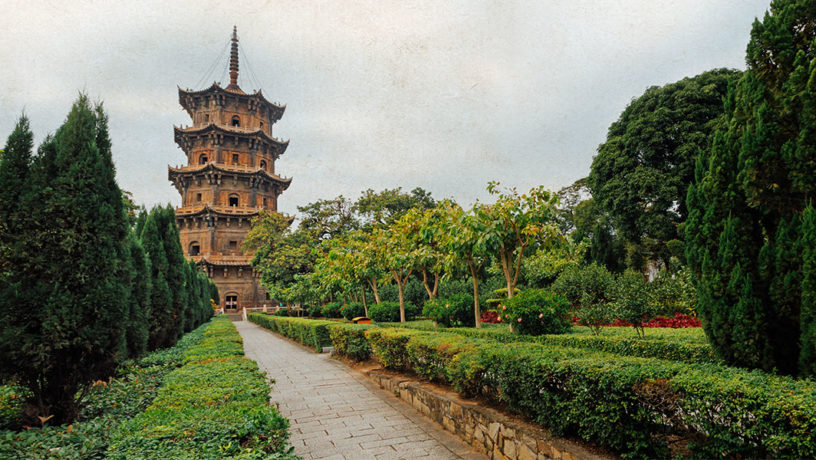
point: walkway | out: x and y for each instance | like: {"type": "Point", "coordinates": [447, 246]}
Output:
{"type": "Point", "coordinates": [336, 413]}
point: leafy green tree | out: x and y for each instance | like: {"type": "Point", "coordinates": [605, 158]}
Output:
{"type": "Point", "coordinates": [514, 223]}
{"type": "Point", "coordinates": [641, 173]}
{"type": "Point", "coordinates": [15, 168]}
{"type": "Point", "coordinates": [462, 240]}
{"type": "Point", "coordinates": [65, 307]}
{"type": "Point", "coordinates": [390, 204]}
{"type": "Point", "coordinates": [280, 253]}
{"type": "Point", "coordinates": [328, 218]}
{"type": "Point", "coordinates": [398, 256]}
{"type": "Point", "coordinates": [633, 300]}
{"type": "Point", "coordinates": [745, 235]}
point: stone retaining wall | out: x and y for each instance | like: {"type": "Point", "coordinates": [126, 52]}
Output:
{"type": "Point", "coordinates": [497, 435]}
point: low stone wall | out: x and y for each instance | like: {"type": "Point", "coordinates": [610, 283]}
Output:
{"type": "Point", "coordinates": [488, 430]}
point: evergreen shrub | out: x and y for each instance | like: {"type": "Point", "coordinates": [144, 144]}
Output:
{"type": "Point", "coordinates": [351, 310]}
{"type": "Point", "coordinates": [536, 312]}
{"type": "Point", "coordinates": [456, 310]}
{"type": "Point", "coordinates": [388, 312]}
{"type": "Point", "coordinates": [332, 310]}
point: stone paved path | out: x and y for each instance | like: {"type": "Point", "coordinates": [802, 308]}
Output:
{"type": "Point", "coordinates": [336, 413]}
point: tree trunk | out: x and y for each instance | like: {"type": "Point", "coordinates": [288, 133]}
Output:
{"type": "Point", "coordinates": [508, 277]}
{"type": "Point", "coordinates": [431, 292]}
{"type": "Point", "coordinates": [365, 304]}
{"type": "Point", "coordinates": [476, 311]}
{"type": "Point", "coordinates": [373, 283]}
{"type": "Point", "coordinates": [401, 290]}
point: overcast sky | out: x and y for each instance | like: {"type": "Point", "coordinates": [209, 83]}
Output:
{"type": "Point", "coordinates": [445, 95]}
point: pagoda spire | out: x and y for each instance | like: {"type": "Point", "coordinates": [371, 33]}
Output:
{"type": "Point", "coordinates": [233, 64]}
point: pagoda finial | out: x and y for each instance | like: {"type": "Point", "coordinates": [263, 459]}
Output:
{"type": "Point", "coordinates": [233, 66]}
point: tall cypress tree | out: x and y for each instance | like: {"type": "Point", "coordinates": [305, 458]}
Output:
{"type": "Point", "coordinates": [139, 313]}
{"type": "Point", "coordinates": [69, 327]}
{"type": "Point", "coordinates": [807, 354]}
{"type": "Point", "coordinates": [745, 233]}
{"type": "Point", "coordinates": [161, 299]}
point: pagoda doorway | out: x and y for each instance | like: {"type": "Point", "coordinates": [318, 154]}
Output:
{"type": "Point", "coordinates": [230, 303]}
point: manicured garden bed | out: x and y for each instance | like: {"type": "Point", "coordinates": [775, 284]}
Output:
{"type": "Point", "coordinates": [198, 399]}
{"type": "Point", "coordinates": [636, 406]}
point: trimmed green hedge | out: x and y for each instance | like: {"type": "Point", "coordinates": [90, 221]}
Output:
{"type": "Point", "coordinates": [347, 339]}
{"type": "Point", "coordinates": [310, 332]}
{"type": "Point", "coordinates": [662, 345]}
{"type": "Point", "coordinates": [215, 406]}
{"type": "Point", "coordinates": [636, 406]}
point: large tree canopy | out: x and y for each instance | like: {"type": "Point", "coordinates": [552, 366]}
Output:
{"type": "Point", "coordinates": [750, 231]}
{"type": "Point", "coordinates": [642, 171]}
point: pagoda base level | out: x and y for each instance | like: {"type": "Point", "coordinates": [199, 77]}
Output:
{"type": "Point", "coordinates": [239, 292]}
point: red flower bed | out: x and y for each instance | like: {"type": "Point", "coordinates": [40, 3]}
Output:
{"type": "Point", "coordinates": [679, 321]}
{"type": "Point", "coordinates": [490, 316]}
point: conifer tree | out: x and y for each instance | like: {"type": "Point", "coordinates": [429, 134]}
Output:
{"type": "Point", "coordinates": [139, 314]}
{"type": "Point", "coordinates": [161, 299]}
{"type": "Point", "coordinates": [745, 231]}
{"type": "Point", "coordinates": [807, 354]}
{"type": "Point", "coordinates": [68, 301]}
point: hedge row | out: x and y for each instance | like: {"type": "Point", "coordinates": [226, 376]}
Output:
{"type": "Point", "coordinates": [660, 347]}
{"type": "Point", "coordinates": [636, 406]}
{"type": "Point", "coordinates": [106, 406]}
{"type": "Point", "coordinates": [215, 406]}
{"type": "Point", "coordinates": [310, 332]}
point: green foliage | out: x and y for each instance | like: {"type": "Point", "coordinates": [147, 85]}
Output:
{"type": "Point", "coordinates": [633, 300]}
{"type": "Point", "coordinates": [309, 332]}
{"type": "Point", "coordinates": [215, 405]}
{"type": "Point", "coordinates": [451, 311]}
{"type": "Point", "coordinates": [315, 311]}
{"type": "Point", "coordinates": [589, 290]}
{"type": "Point", "coordinates": [745, 232]}
{"type": "Point", "coordinates": [12, 399]}
{"type": "Point", "coordinates": [642, 171]}
{"type": "Point", "coordinates": [674, 293]}
{"type": "Point", "coordinates": [390, 312]}
{"type": "Point", "coordinates": [387, 206]}
{"type": "Point", "coordinates": [351, 310]}
{"type": "Point", "coordinates": [536, 312]}
{"type": "Point", "coordinates": [638, 407]}
{"type": "Point", "coordinates": [107, 406]}
{"type": "Point", "coordinates": [281, 312]}
{"type": "Point", "coordinates": [349, 341]}
{"type": "Point", "coordinates": [64, 262]}
{"type": "Point", "coordinates": [332, 310]}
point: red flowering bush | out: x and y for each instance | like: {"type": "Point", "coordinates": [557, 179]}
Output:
{"type": "Point", "coordinates": [490, 316]}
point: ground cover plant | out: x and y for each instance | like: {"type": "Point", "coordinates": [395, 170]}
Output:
{"type": "Point", "coordinates": [216, 405]}
{"type": "Point", "coordinates": [108, 405]}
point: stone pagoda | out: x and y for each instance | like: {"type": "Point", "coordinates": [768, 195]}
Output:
{"type": "Point", "coordinates": [229, 178]}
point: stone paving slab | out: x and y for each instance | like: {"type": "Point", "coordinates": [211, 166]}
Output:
{"type": "Point", "coordinates": [336, 413]}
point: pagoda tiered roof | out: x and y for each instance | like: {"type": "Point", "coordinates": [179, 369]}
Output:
{"type": "Point", "coordinates": [183, 135]}
{"type": "Point", "coordinates": [209, 209]}
{"type": "Point", "coordinates": [244, 171]}
{"type": "Point", "coordinates": [187, 99]}
{"type": "Point", "coordinates": [223, 261]}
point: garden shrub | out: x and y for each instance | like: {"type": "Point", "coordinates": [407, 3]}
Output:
{"type": "Point", "coordinates": [456, 310]}
{"type": "Point", "coordinates": [389, 312]}
{"type": "Point", "coordinates": [216, 405]}
{"type": "Point", "coordinates": [633, 300]}
{"type": "Point", "coordinates": [315, 311]}
{"type": "Point", "coordinates": [310, 332]}
{"type": "Point", "coordinates": [282, 312]}
{"type": "Point", "coordinates": [12, 399]}
{"type": "Point", "coordinates": [349, 341]}
{"type": "Point", "coordinates": [107, 406]}
{"type": "Point", "coordinates": [351, 310]}
{"type": "Point", "coordinates": [674, 293]}
{"type": "Point", "coordinates": [536, 312]}
{"type": "Point", "coordinates": [331, 310]}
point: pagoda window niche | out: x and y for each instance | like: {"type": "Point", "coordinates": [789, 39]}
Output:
{"type": "Point", "coordinates": [263, 165]}
{"type": "Point", "coordinates": [233, 200]}
{"type": "Point", "coordinates": [202, 160]}
{"type": "Point", "coordinates": [235, 158]}
{"type": "Point", "coordinates": [195, 248]}
{"type": "Point", "coordinates": [206, 118]}
{"type": "Point", "coordinates": [261, 126]}
{"type": "Point", "coordinates": [236, 121]}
